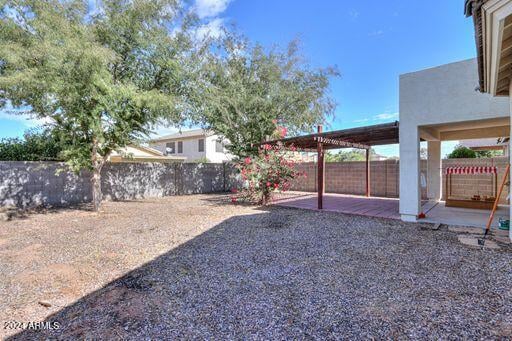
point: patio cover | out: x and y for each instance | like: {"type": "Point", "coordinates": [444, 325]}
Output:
{"type": "Point", "coordinates": [361, 138]}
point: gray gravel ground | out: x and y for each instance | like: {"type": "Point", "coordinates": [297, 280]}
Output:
{"type": "Point", "coordinates": [291, 274]}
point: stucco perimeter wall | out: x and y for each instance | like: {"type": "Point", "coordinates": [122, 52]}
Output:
{"type": "Point", "coordinates": [349, 178]}
{"type": "Point", "coordinates": [29, 184]}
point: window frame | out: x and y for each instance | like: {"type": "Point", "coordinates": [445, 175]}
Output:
{"type": "Point", "coordinates": [219, 146]}
{"type": "Point", "coordinates": [168, 144]}
{"type": "Point", "coordinates": [199, 145]}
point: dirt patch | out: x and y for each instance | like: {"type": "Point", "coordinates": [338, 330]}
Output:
{"type": "Point", "coordinates": [24, 256]}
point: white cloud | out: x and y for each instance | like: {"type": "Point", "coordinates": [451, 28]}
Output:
{"type": "Point", "coordinates": [361, 120]}
{"type": "Point", "coordinates": [162, 130]}
{"type": "Point", "coordinates": [213, 29]}
{"type": "Point", "coordinates": [354, 14]}
{"type": "Point", "coordinates": [376, 33]}
{"type": "Point", "coordinates": [385, 116]}
{"type": "Point", "coordinates": [210, 8]}
{"type": "Point", "coordinates": [25, 120]}
{"type": "Point", "coordinates": [379, 117]}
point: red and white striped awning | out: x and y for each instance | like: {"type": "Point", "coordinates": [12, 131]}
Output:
{"type": "Point", "coordinates": [472, 170]}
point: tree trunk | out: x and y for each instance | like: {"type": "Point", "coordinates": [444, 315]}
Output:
{"type": "Point", "coordinates": [96, 188]}
{"type": "Point", "coordinates": [97, 163]}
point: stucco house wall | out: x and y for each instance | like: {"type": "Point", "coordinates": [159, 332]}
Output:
{"type": "Point", "coordinates": [212, 154]}
{"type": "Point", "coordinates": [446, 94]}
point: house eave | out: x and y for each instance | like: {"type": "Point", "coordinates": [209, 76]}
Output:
{"type": "Point", "coordinates": [473, 8]}
{"type": "Point", "coordinates": [493, 37]}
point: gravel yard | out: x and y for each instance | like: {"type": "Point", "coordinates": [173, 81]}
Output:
{"type": "Point", "coordinates": [198, 267]}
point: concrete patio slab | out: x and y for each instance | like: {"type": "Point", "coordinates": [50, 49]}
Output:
{"type": "Point", "coordinates": [471, 240]}
{"type": "Point", "coordinates": [464, 216]}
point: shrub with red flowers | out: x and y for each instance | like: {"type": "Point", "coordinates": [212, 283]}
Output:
{"type": "Point", "coordinates": [269, 171]}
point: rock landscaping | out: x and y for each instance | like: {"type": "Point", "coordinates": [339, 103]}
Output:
{"type": "Point", "coordinates": [199, 267]}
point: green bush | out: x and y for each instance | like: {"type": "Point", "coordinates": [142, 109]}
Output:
{"type": "Point", "coordinates": [461, 152]}
{"type": "Point", "coordinates": [36, 145]}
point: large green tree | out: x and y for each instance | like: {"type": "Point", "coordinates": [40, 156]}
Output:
{"type": "Point", "coordinates": [247, 90]}
{"type": "Point", "coordinates": [36, 145]}
{"type": "Point", "coordinates": [101, 80]}
{"type": "Point", "coordinates": [461, 152]}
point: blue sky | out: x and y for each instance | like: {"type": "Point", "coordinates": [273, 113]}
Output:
{"type": "Point", "coordinates": [371, 42]}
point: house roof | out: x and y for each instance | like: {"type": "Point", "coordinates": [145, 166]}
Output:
{"type": "Point", "coordinates": [134, 153]}
{"type": "Point", "coordinates": [473, 8]}
{"type": "Point", "coordinates": [483, 144]}
{"type": "Point", "coordinates": [138, 150]}
{"type": "Point", "coordinates": [380, 134]}
{"type": "Point", "coordinates": [149, 150]}
{"type": "Point", "coordinates": [184, 134]}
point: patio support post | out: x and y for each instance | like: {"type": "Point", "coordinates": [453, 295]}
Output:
{"type": "Point", "coordinates": [410, 204]}
{"type": "Point", "coordinates": [321, 171]}
{"type": "Point", "coordinates": [368, 180]}
{"type": "Point", "coordinates": [434, 167]}
{"type": "Point", "coordinates": [510, 160]}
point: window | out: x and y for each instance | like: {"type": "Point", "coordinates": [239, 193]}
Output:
{"type": "Point", "coordinates": [219, 147]}
{"type": "Point", "coordinates": [180, 147]}
{"type": "Point", "coordinates": [201, 145]}
{"type": "Point", "coordinates": [170, 148]}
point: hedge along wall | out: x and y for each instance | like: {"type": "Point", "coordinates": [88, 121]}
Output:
{"type": "Point", "coordinates": [349, 177]}
{"type": "Point", "coordinates": [29, 184]}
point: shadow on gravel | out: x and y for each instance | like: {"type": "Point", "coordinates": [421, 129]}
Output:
{"type": "Point", "coordinates": [9, 213]}
{"type": "Point", "coordinates": [285, 273]}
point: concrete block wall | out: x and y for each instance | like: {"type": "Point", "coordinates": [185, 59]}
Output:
{"type": "Point", "coordinates": [308, 183]}
{"type": "Point", "coordinates": [349, 177]}
{"type": "Point", "coordinates": [125, 181]}
{"type": "Point", "coordinates": [469, 185]}
{"type": "Point", "coordinates": [30, 184]}
{"type": "Point", "coordinates": [201, 178]}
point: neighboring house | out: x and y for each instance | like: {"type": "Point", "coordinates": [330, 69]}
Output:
{"type": "Point", "coordinates": [487, 144]}
{"type": "Point", "coordinates": [193, 145]}
{"type": "Point", "coordinates": [141, 154]}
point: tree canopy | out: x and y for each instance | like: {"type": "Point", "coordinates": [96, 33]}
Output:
{"type": "Point", "coordinates": [102, 81]}
{"type": "Point", "coordinates": [461, 152]}
{"type": "Point", "coordinates": [246, 90]}
{"type": "Point", "coordinates": [348, 155]}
